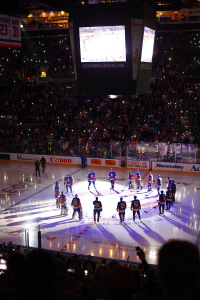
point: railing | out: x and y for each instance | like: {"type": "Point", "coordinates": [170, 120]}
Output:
{"type": "Point", "coordinates": [175, 152]}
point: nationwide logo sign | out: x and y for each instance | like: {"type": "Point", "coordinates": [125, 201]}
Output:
{"type": "Point", "coordinates": [23, 158]}
{"type": "Point", "coordinates": [195, 168]}
{"type": "Point", "coordinates": [164, 166]}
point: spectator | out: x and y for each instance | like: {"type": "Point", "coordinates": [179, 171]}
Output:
{"type": "Point", "coordinates": [179, 269]}
{"type": "Point", "coordinates": [89, 265]}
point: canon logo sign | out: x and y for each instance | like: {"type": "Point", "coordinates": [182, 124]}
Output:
{"type": "Point", "coordinates": [136, 52]}
{"type": "Point", "coordinates": [136, 24]}
{"type": "Point", "coordinates": [61, 160]}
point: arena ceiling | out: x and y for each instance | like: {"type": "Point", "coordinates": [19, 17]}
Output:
{"type": "Point", "coordinates": [23, 7]}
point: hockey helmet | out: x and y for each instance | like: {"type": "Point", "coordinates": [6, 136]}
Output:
{"type": "Point", "coordinates": [149, 172]}
{"type": "Point", "coordinates": [162, 192]}
{"type": "Point", "coordinates": [111, 169]}
{"type": "Point", "coordinates": [168, 177]}
{"type": "Point", "coordinates": [57, 182]}
{"type": "Point", "coordinates": [137, 171]}
{"type": "Point", "coordinates": [90, 171]}
{"type": "Point", "coordinates": [121, 198]}
{"type": "Point", "coordinates": [96, 198]}
{"type": "Point", "coordinates": [76, 196]}
{"type": "Point", "coordinates": [173, 181]}
{"type": "Point", "coordinates": [67, 175]}
{"type": "Point", "coordinates": [129, 171]}
{"type": "Point", "coordinates": [135, 197]}
{"type": "Point", "coordinates": [158, 176]}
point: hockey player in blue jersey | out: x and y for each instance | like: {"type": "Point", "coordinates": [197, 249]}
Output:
{"type": "Point", "coordinates": [68, 182]}
{"type": "Point", "coordinates": [168, 198]}
{"type": "Point", "coordinates": [91, 179]}
{"type": "Point", "coordinates": [158, 184]}
{"type": "Point", "coordinates": [169, 181]}
{"type": "Point", "coordinates": [135, 207]}
{"type": "Point", "coordinates": [62, 201]}
{"type": "Point", "coordinates": [112, 178]}
{"type": "Point", "coordinates": [161, 203]}
{"type": "Point", "coordinates": [130, 180]}
{"type": "Point", "coordinates": [150, 181]}
{"type": "Point", "coordinates": [121, 207]}
{"type": "Point", "coordinates": [97, 209]}
{"type": "Point", "coordinates": [138, 180]}
{"type": "Point", "coordinates": [57, 194]}
{"type": "Point", "coordinates": [76, 204]}
{"type": "Point", "coordinates": [173, 187]}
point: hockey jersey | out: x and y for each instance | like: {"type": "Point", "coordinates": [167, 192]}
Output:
{"type": "Point", "coordinates": [135, 205]}
{"type": "Point", "coordinates": [112, 175]}
{"type": "Point", "coordinates": [121, 206]}
{"type": "Point", "coordinates": [97, 205]}
{"type": "Point", "coordinates": [76, 203]}
{"type": "Point", "coordinates": [91, 176]}
{"type": "Point", "coordinates": [68, 180]}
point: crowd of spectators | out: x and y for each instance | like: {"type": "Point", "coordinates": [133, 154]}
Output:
{"type": "Point", "coordinates": [49, 54]}
{"type": "Point", "coordinates": [50, 118]}
{"type": "Point", "coordinates": [45, 275]}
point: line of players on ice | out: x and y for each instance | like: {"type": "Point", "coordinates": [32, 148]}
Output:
{"type": "Point", "coordinates": [165, 200]}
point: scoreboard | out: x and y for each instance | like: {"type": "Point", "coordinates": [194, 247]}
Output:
{"type": "Point", "coordinates": [112, 47]}
{"type": "Point", "coordinates": [10, 31]}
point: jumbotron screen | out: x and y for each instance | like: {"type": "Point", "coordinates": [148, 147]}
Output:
{"type": "Point", "coordinates": [148, 43]}
{"type": "Point", "coordinates": [102, 44]}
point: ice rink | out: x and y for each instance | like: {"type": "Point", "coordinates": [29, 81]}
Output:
{"type": "Point", "coordinates": [27, 202]}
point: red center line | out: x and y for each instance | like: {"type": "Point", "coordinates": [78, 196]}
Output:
{"type": "Point", "coordinates": [65, 247]}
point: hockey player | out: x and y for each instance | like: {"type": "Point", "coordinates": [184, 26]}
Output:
{"type": "Point", "coordinates": [150, 181]}
{"type": "Point", "coordinates": [173, 187]}
{"type": "Point", "coordinates": [138, 180]}
{"type": "Point", "coordinates": [130, 180]}
{"type": "Point", "coordinates": [159, 184]}
{"type": "Point", "coordinates": [57, 194]}
{"type": "Point", "coordinates": [112, 178]}
{"type": "Point", "coordinates": [161, 203]}
{"type": "Point", "coordinates": [169, 181]}
{"type": "Point", "coordinates": [68, 181]}
{"type": "Point", "coordinates": [62, 201]}
{"type": "Point", "coordinates": [91, 179]}
{"type": "Point", "coordinates": [135, 207]}
{"type": "Point", "coordinates": [168, 198]}
{"type": "Point", "coordinates": [76, 204]}
{"type": "Point", "coordinates": [121, 207]}
{"type": "Point", "coordinates": [97, 209]}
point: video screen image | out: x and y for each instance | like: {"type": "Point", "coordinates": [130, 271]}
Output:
{"type": "Point", "coordinates": [102, 44]}
{"type": "Point", "coordinates": [147, 46]}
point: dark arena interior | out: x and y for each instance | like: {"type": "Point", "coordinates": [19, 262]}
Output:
{"type": "Point", "coordinates": [99, 149]}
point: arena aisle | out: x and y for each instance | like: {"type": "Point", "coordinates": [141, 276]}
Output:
{"type": "Point", "coordinates": [27, 204]}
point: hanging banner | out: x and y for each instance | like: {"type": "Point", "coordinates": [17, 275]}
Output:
{"type": "Point", "coordinates": [136, 37]}
{"type": "Point", "coordinates": [71, 34]}
{"type": "Point", "coordinates": [15, 32]}
{"type": "Point", "coordinates": [4, 30]}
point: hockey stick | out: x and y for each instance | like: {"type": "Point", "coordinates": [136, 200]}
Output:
{"type": "Point", "coordinates": [125, 187]}
{"type": "Point", "coordinates": [114, 215]}
{"type": "Point", "coordinates": [150, 192]}
{"type": "Point", "coordinates": [146, 211]}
